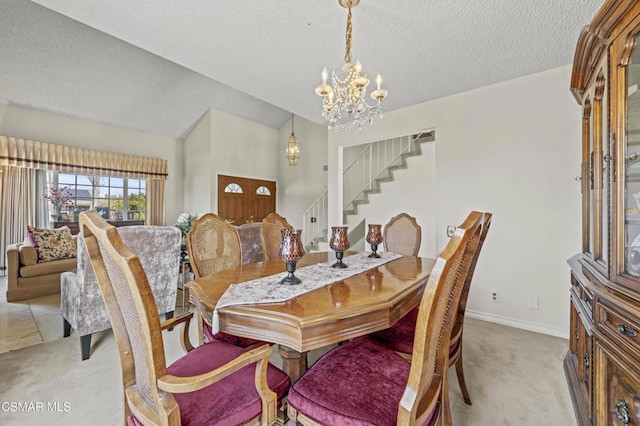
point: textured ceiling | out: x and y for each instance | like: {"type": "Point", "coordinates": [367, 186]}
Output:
{"type": "Point", "coordinates": [158, 65]}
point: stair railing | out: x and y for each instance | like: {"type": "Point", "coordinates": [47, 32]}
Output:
{"type": "Point", "coordinates": [315, 219]}
{"type": "Point", "coordinates": [371, 163]}
{"type": "Point", "coordinates": [361, 174]}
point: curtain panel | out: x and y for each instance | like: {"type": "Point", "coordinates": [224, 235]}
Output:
{"type": "Point", "coordinates": [19, 189]}
{"type": "Point", "coordinates": [30, 154]}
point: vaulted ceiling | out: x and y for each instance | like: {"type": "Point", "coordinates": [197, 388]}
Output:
{"type": "Point", "coordinates": [159, 65]}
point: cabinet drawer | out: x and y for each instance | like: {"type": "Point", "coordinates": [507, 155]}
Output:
{"type": "Point", "coordinates": [620, 383]}
{"type": "Point", "coordinates": [622, 328]}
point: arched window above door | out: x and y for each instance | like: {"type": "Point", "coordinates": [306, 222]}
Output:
{"type": "Point", "coordinates": [234, 188]}
{"type": "Point", "coordinates": [263, 190]}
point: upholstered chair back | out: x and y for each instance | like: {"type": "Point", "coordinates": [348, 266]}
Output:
{"type": "Point", "coordinates": [251, 242]}
{"type": "Point", "coordinates": [157, 247]}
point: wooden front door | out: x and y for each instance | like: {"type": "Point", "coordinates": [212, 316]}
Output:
{"type": "Point", "coordinates": [245, 200]}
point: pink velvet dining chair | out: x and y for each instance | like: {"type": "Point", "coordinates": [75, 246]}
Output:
{"type": "Point", "coordinates": [365, 383]}
{"type": "Point", "coordinates": [400, 337]}
{"type": "Point", "coordinates": [213, 384]}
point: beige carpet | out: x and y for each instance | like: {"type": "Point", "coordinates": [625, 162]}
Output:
{"type": "Point", "coordinates": [514, 377]}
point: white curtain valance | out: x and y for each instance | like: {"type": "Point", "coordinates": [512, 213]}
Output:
{"type": "Point", "coordinates": [18, 152]}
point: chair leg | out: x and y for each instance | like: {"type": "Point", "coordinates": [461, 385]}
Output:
{"type": "Point", "coordinates": [463, 385]}
{"type": "Point", "coordinates": [66, 328]}
{"type": "Point", "coordinates": [168, 316]}
{"type": "Point", "coordinates": [85, 346]}
{"type": "Point", "coordinates": [446, 409]}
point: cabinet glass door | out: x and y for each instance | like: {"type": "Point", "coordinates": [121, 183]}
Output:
{"type": "Point", "coordinates": [632, 165]}
{"type": "Point", "coordinates": [596, 162]}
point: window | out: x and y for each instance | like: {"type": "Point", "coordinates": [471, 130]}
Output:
{"type": "Point", "coordinates": [233, 187]}
{"type": "Point", "coordinates": [113, 198]}
{"type": "Point", "coordinates": [263, 190]}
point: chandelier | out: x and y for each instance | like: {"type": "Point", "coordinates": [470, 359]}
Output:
{"type": "Point", "coordinates": [344, 103]}
{"type": "Point", "coordinates": [293, 150]}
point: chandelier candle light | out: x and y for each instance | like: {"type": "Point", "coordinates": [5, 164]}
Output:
{"type": "Point", "coordinates": [344, 102]}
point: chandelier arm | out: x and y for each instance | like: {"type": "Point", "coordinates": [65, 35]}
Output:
{"type": "Point", "coordinates": [347, 54]}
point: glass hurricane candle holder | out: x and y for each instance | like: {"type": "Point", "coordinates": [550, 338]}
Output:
{"type": "Point", "coordinates": [374, 237]}
{"type": "Point", "coordinates": [339, 242]}
{"type": "Point", "coordinates": [290, 252]}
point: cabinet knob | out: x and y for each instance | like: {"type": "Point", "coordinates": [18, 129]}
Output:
{"type": "Point", "coordinates": [578, 178]}
{"type": "Point", "coordinates": [621, 411]}
{"type": "Point", "coordinates": [585, 361]}
{"type": "Point", "coordinates": [626, 330]}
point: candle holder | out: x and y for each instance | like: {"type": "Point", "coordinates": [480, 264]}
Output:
{"type": "Point", "coordinates": [290, 252]}
{"type": "Point", "coordinates": [339, 243]}
{"type": "Point", "coordinates": [374, 237]}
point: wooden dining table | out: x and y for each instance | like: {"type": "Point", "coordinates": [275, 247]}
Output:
{"type": "Point", "coordinates": [361, 304]}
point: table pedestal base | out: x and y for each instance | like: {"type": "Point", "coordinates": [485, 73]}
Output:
{"type": "Point", "coordinates": [294, 363]}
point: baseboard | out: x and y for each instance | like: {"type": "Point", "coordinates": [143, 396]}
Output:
{"type": "Point", "coordinates": [537, 328]}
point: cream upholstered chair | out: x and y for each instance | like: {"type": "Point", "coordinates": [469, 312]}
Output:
{"type": "Point", "coordinates": [270, 234]}
{"type": "Point", "coordinates": [215, 383]}
{"type": "Point", "coordinates": [400, 337]}
{"type": "Point", "coordinates": [81, 304]}
{"type": "Point", "coordinates": [214, 245]}
{"type": "Point", "coordinates": [363, 382]}
{"type": "Point", "coordinates": [402, 235]}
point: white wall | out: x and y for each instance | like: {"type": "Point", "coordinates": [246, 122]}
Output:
{"type": "Point", "coordinates": [198, 173]}
{"type": "Point", "coordinates": [65, 130]}
{"type": "Point", "coordinates": [393, 199]}
{"type": "Point", "coordinates": [300, 186]}
{"type": "Point", "coordinates": [234, 146]}
{"type": "Point", "coordinates": [512, 149]}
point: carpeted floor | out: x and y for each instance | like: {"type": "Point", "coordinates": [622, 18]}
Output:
{"type": "Point", "coordinates": [514, 377]}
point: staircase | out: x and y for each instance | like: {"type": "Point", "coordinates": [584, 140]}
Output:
{"type": "Point", "coordinates": [375, 164]}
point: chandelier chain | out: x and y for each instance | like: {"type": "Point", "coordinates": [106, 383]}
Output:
{"type": "Point", "coordinates": [347, 53]}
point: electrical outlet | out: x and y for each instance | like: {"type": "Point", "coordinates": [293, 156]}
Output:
{"type": "Point", "coordinates": [495, 296]}
{"type": "Point", "coordinates": [313, 220]}
{"type": "Point", "coordinates": [533, 303]}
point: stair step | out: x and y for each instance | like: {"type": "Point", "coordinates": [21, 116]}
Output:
{"type": "Point", "coordinates": [400, 163]}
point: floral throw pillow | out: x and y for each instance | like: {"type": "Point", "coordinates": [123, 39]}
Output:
{"type": "Point", "coordinates": [53, 244]}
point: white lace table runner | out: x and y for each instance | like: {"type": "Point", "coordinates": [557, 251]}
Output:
{"type": "Point", "coordinates": [269, 290]}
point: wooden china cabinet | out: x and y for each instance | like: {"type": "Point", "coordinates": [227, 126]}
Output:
{"type": "Point", "coordinates": [603, 362]}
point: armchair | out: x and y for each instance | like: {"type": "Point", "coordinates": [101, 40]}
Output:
{"type": "Point", "coordinates": [213, 384]}
{"type": "Point", "coordinates": [81, 303]}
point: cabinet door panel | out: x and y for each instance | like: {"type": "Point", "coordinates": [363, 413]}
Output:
{"type": "Point", "coordinates": [619, 403]}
